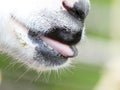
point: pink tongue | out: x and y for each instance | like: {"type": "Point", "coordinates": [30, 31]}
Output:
{"type": "Point", "coordinates": [64, 49]}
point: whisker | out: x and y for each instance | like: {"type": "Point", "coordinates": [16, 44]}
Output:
{"type": "Point", "coordinates": [38, 76]}
{"type": "Point", "coordinates": [21, 76]}
{"type": "Point", "coordinates": [11, 65]}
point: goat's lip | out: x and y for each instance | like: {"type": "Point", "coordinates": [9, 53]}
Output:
{"type": "Point", "coordinates": [63, 49]}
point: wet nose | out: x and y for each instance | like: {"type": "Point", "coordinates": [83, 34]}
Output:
{"type": "Point", "coordinates": [77, 8]}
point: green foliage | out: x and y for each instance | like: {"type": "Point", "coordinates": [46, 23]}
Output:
{"type": "Point", "coordinates": [103, 36]}
{"type": "Point", "coordinates": [103, 2]}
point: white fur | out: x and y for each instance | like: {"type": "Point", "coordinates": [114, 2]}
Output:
{"type": "Point", "coordinates": [27, 11]}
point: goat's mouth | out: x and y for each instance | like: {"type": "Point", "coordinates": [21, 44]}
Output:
{"type": "Point", "coordinates": [53, 52]}
{"type": "Point", "coordinates": [48, 52]}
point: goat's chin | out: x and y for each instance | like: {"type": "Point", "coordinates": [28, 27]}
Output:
{"type": "Point", "coordinates": [38, 65]}
{"type": "Point", "coordinates": [31, 64]}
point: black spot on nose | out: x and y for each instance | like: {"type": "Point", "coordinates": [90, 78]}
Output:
{"type": "Point", "coordinates": [64, 35]}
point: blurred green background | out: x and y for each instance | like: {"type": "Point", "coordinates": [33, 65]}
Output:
{"type": "Point", "coordinates": [85, 74]}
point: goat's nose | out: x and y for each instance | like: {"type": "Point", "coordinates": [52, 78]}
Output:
{"type": "Point", "coordinates": [78, 8]}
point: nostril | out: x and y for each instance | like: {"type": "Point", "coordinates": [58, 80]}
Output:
{"type": "Point", "coordinates": [75, 8]}
{"type": "Point", "coordinates": [68, 4]}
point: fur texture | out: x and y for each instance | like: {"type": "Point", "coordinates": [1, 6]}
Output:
{"type": "Point", "coordinates": [42, 33]}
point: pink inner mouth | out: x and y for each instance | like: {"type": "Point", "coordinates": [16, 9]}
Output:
{"type": "Point", "coordinates": [64, 49]}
